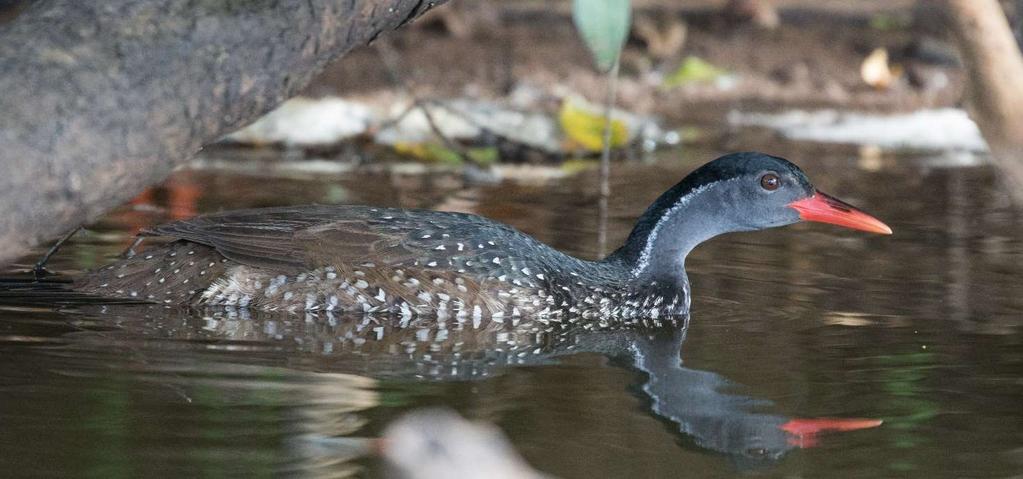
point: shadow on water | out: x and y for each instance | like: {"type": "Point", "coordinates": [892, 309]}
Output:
{"type": "Point", "coordinates": [921, 329]}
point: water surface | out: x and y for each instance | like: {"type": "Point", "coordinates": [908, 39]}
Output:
{"type": "Point", "coordinates": [921, 329]}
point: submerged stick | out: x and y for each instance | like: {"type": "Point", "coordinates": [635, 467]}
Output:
{"type": "Point", "coordinates": [39, 269]}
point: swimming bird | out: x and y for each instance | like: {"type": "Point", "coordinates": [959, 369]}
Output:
{"type": "Point", "coordinates": [415, 263]}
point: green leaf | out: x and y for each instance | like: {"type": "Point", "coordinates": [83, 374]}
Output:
{"type": "Point", "coordinates": [486, 155]}
{"type": "Point", "coordinates": [604, 26]}
{"type": "Point", "coordinates": [694, 70]}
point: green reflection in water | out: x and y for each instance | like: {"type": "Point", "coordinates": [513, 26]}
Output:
{"type": "Point", "coordinates": [902, 375]}
{"type": "Point", "coordinates": [107, 413]}
{"type": "Point", "coordinates": [335, 194]}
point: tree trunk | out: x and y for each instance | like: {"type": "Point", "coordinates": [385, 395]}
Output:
{"type": "Point", "coordinates": [995, 92]}
{"type": "Point", "coordinates": [103, 98]}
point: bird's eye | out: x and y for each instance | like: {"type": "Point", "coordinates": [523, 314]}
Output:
{"type": "Point", "coordinates": [770, 182]}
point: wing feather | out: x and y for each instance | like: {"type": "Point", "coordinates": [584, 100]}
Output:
{"type": "Point", "coordinates": [292, 239]}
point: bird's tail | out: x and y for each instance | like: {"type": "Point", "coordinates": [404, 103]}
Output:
{"type": "Point", "coordinates": [27, 290]}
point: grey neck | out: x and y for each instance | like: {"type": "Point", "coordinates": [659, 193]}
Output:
{"type": "Point", "coordinates": [699, 215]}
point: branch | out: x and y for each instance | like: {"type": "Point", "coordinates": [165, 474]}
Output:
{"type": "Point", "coordinates": [995, 67]}
{"type": "Point", "coordinates": [101, 99]}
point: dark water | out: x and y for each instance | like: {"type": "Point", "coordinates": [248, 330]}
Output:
{"type": "Point", "coordinates": [921, 329]}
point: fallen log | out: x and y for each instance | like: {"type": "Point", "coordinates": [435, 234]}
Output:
{"type": "Point", "coordinates": [101, 99]}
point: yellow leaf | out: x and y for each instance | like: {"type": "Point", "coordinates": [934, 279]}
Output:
{"type": "Point", "coordinates": [584, 126]}
{"type": "Point", "coordinates": [875, 70]}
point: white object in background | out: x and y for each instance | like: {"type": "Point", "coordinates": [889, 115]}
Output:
{"type": "Point", "coordinates": [934, 129]}
{"type": "Point", "coordinates": [307, 122]}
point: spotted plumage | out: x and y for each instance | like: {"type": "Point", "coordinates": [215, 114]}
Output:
{"type": "Point", "coordinates": [376, 260]}
{"type": "Point", "coordinates": [450, 266]}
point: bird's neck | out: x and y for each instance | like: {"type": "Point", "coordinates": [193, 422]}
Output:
{"type": "Point", "coordinates": [656, 249]}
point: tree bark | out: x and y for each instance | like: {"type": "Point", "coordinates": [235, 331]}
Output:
{"type": "Point", "coordinates": [101, 99]}
{"type": "Point", "coordinates": [995, 91]}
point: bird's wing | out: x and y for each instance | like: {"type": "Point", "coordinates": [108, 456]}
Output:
{"type": "Point", "coordinates": [307, 237]}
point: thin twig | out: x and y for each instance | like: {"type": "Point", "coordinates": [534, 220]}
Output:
{"type": "Point", "coordinates": [448, 143]}
{"type": "Point", "coordinates": [605, 159]}
{"type": "Point", "coordinates": [397, 119]}
{"type": "Point", "coordinates": [129, 253]}
{"type": "Point", "coordinates": [39, 270]}
{"type": "Point", "coordinates": [391, 61]}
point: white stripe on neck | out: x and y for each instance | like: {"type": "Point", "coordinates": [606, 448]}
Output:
{"type": "Point", "coordinates": [644, 258]}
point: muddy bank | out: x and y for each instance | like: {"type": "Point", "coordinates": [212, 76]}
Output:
{"type": "Point", "coordinates": [812, 59]}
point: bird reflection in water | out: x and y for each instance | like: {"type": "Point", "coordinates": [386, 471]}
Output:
{"type": "Point", "coordinates": [701, 403]}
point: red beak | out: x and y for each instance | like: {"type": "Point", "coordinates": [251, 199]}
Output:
{"type": "Point", "coordinates": [826, 209]}
{"type": "Point", "coordinates": [803, 432]}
